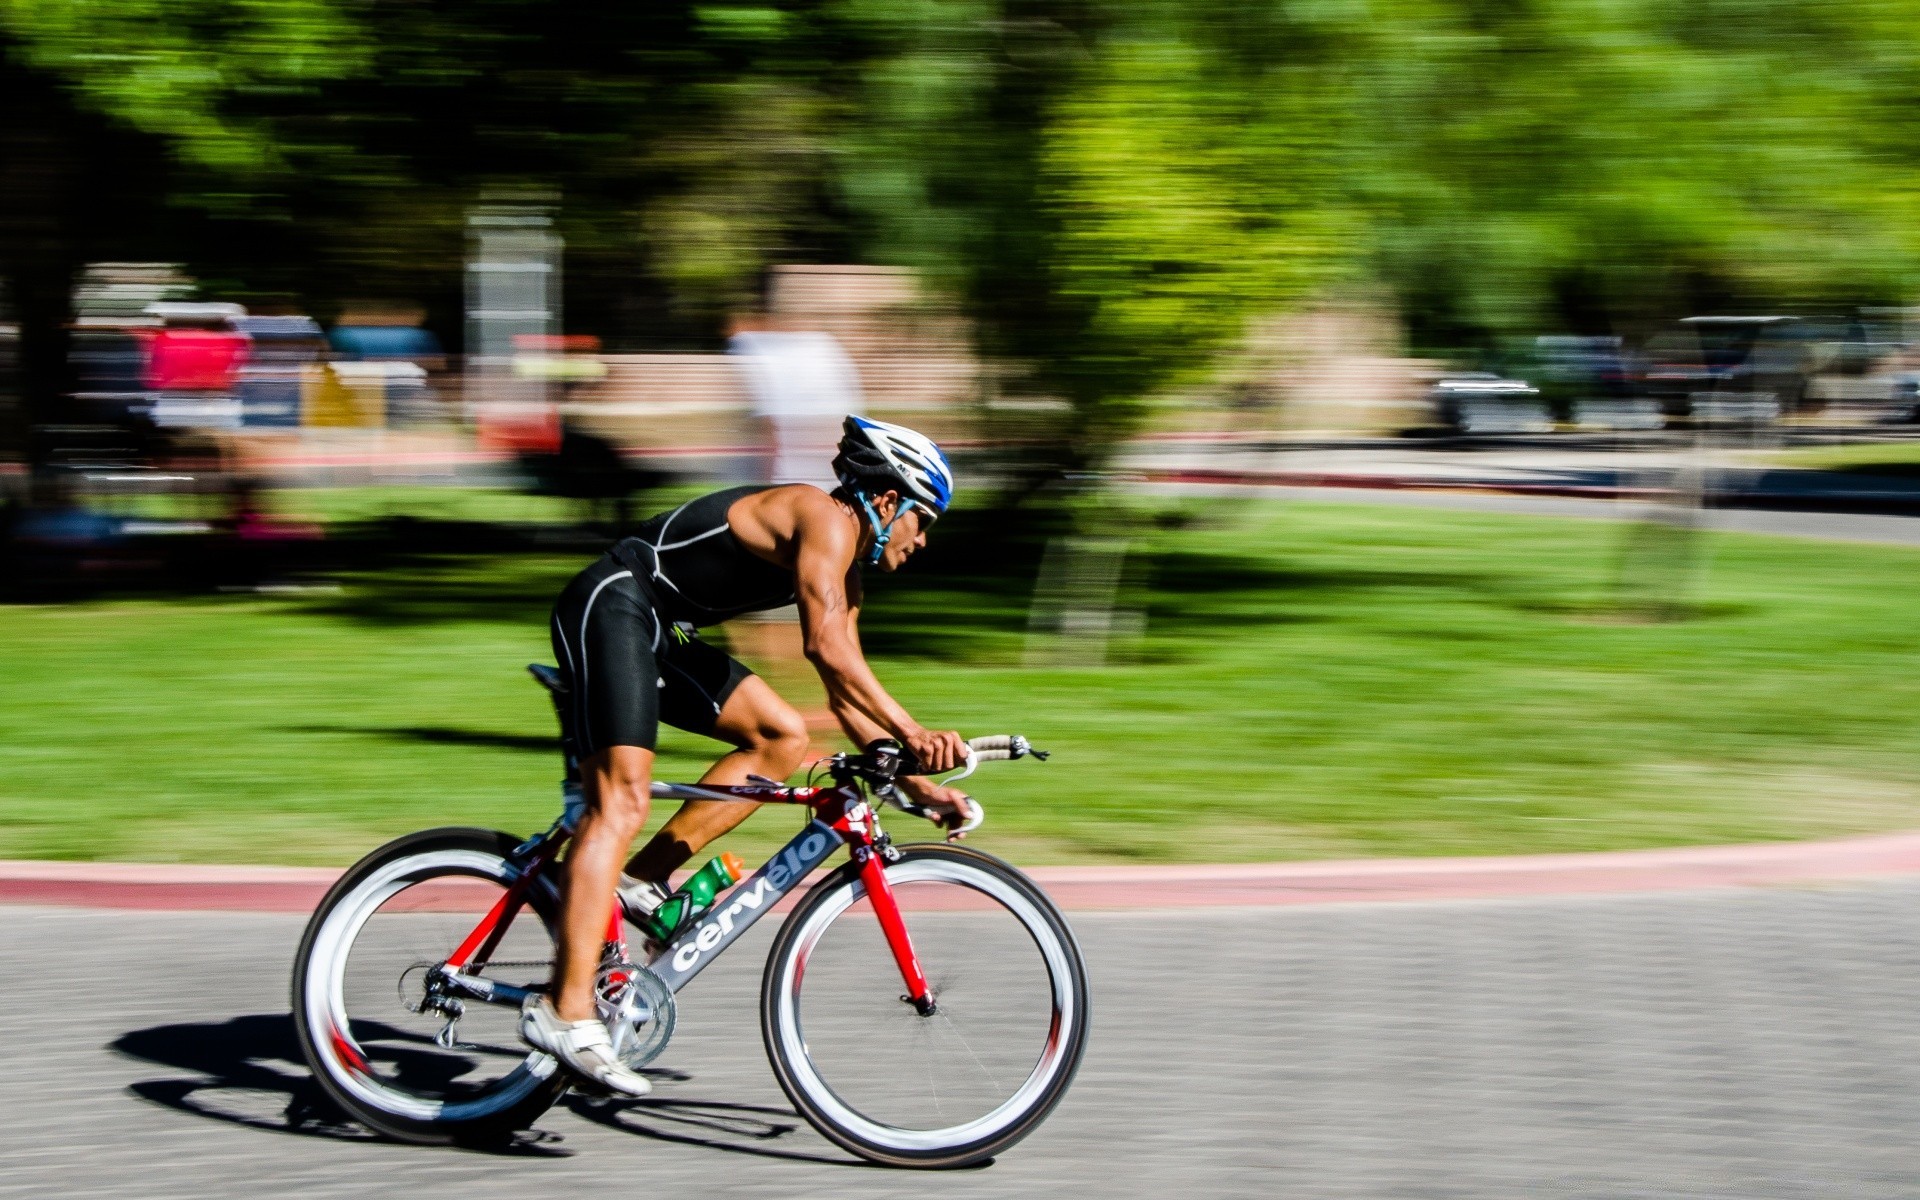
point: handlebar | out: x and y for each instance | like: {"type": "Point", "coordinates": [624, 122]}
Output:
{"type": "Point", "coordinates": [886, 760]}
{"type": "Point", "coordinates": [1003, 746]}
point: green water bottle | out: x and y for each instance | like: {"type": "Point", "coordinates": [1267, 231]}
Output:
{"type": "Point", "coordinates": [695, 896]}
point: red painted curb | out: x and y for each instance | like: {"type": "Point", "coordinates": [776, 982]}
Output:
{"type": "Point", "coordinates": [298, 889]}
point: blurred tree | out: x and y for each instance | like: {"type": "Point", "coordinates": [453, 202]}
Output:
{"type": "Point", "coordinates": [328, 149]}
{"type": "Point", "coordinates": [1631, 159]}
{"type": "Point", "coordinates": [1112, 188]}
{"type": "Point", "coordinates": [74, 186]}
{"type": "Point", "coordinates": [1115, 187]}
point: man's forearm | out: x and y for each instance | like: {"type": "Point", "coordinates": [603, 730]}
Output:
{"type": "Point", "coordinates": [851, 684]}
{"type": "Point", "coordinates": [860, 729]}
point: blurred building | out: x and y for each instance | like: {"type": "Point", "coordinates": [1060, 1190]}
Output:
{"type": "Point", "coordinates": [907, 359]}
{"type": "Point", "coordinates": [513, 294]}
{"type": "Point", "coordinates": [1342, 369]}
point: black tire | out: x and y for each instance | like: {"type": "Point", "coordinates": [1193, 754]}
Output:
{"type": "Point", "coordinates": [438, 854]}
{"type": "Point", "coordinates": [864, 1134]}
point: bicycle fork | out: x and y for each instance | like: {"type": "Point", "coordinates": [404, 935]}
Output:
{"type": "Point", "coordinates": [873, 874]}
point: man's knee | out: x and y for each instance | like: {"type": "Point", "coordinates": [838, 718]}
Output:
{"type": "Point", "coordinates": [621, 795]}
{"type": "Point", "coordinates": [780, 736]}
{"type": "Point", "coordinates": [624, 807]}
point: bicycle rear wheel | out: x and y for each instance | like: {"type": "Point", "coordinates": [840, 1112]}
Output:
{"type": "Point", "coordinates": [361, 975]}
{"type": "Point", "coordinates": [962, 1083]}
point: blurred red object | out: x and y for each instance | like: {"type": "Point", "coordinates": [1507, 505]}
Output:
{"type": "Point", "coordinates": [205, 360]}
{"type": "Point", "coordinates": [519, 429]}
{"type": "Point", "coordinates": [550, 343]}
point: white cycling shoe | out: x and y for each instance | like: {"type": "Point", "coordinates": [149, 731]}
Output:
{"type": "Point", "coordinates": [583, 1048]}
{"type": "Point", "coordinates": [639, 898]}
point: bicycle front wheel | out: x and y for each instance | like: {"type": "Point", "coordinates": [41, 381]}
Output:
{"type": "Point", "coordinates": [951, 1087]}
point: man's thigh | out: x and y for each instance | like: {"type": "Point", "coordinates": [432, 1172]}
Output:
{"type": "Point", "coordinates": [698, 681]}
{"type": "Point", "coordinates": [604, 634]}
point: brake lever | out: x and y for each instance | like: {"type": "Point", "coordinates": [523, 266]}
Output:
{"type": "Point", "coordinates": [972, 823]}
{"type": "Point", "coordinates": [973, 764]}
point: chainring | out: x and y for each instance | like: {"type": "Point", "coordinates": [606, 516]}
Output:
{"type": "Point", "coordinates": [639, 1010]}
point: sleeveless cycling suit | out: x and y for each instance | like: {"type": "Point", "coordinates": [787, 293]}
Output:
{"type": "Point", "coordinates": [620, 629]}
{"type": "Point", "coordinates": [697, 569]}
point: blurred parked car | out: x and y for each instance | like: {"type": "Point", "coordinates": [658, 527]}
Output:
{"type": "Point", "coordinates": [1905, 394]}
{"type": "Point", "coordinates": [1589, 382]}
{"type": "Point", "coordinates": [1739, 369]}
{"type": "Point", "coordinates": [193, 363]}
{"type": "Point", "coordinates": [1483, 402]}
{"type": "Point", "coordinates": [1871, 376]}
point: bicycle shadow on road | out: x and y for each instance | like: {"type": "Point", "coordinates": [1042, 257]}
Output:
{"type": "Point", "coordinates": [714, 1124]}
{"type": "Point", "coordinates": [248, 1071]}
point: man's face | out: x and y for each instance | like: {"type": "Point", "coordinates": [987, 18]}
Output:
{"type": "Point", "coordinates": [908, 537]}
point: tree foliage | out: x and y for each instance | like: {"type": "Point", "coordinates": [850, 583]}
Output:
{"type": "Point", "coordinates": [1112, 189]}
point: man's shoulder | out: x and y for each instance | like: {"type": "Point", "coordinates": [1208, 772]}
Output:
{"type": "Point", "coordinates": [802, 498]}
{"type": "Point", "coordinates": [815, 515]}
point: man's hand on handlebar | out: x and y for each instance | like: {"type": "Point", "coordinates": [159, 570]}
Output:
{"type": "Point", "coordinates": [949, 807]}
{"type": "Point", "coordinates": [936, 752]}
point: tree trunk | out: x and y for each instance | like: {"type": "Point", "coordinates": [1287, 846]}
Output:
{"type": "Point", "coordinates": [38, 259]}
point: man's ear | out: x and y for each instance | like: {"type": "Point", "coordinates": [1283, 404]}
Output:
{"type": "Point", "coordinates": [892, 499]}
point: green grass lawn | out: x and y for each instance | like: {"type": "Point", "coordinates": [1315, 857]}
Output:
{"type": "Point", "coordinates": [1900, 459]}
{"type": "Point", "coordinates": [1314, 680]}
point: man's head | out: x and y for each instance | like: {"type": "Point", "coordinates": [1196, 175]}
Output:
{"type": "Point", "coordinates": [900, 479]}
{"type": "Point", "coordinates": [905, 531]}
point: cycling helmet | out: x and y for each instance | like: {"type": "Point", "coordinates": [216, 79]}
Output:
{"type": "Point", "coordinates": [877, 457]}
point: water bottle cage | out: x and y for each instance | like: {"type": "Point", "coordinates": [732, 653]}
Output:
{"type": "Point", "coordinates": [689, 917]}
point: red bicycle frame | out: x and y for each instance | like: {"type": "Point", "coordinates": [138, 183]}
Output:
{"type": "Point", "coordinates": [841, 817]}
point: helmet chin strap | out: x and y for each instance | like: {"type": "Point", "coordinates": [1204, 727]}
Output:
{"type": "Point", "coordinates": [882, 532]}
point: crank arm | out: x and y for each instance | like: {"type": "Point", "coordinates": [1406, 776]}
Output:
{"type": "Point", "coordinates": [488, 991]}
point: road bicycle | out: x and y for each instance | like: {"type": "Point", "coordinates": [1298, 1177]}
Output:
{"type": "Point", "coordinates": [935, 1035]}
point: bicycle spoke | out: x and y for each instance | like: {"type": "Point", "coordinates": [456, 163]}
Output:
{"type": "Point", "coordinates": [971, 1075]}
{"type": "Point", "coordinates": [387, 971]}
{"type": "Point", "coordinates": [955, 1065]}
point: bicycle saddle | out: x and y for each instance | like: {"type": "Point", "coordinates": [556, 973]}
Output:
{"type": "Point", "coordinates": [549, 678]}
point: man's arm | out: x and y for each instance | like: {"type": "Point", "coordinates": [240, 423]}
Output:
{"type": "Point", "coordinates": [952, 805]}
{"type": "Point", "coordinates": [823, 573]}
{"type": "Point", "coordinates": [860, 728]}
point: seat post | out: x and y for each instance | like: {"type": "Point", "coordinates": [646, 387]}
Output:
{"type": "Point", "coordinates": [556, 685]}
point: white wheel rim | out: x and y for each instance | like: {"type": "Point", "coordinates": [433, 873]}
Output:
{"type": "Point", "coordinates": [325, 998]}
{"type": "Point", "coordinates": [1053, 1057]}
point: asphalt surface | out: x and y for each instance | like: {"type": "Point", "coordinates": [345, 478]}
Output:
{"type": "Point", "coordinates": [1740, 1043]}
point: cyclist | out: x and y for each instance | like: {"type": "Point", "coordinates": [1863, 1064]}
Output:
{"type": "Point", "coordinates": [621, 631]}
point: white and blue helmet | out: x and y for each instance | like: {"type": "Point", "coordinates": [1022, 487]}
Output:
{"type": "Point", "coordinates": [876, 457]}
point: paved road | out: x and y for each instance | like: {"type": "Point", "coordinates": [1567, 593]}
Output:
{"type": "Point", "coordinates": [1725, 1044]}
